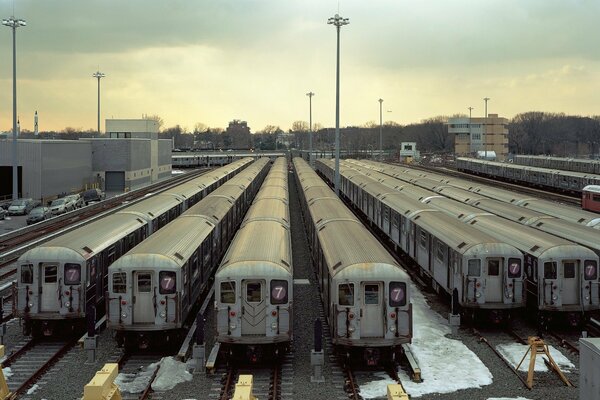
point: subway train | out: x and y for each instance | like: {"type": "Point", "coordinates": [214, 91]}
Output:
{"type": "Point", "coordinates": [564, 163]}
{"type": "Point", "coordinates": [554, 179]}
{"type": "Point", "coordinates": [365, 293]}
{"type": "Point", "coordinates": [486, 272]}
{"type": "Point", "coordinates": [561, 276]}
{"type": "Point", "coordinates": [590, 198]}
{"type": "Point", "coordinates": [254, 283]}
{"type": "Point", "coordinates": [153, 288]}
{"type": "Point", "coordinates": [58, 280]}
{"type": "Point", "coordinates": [195, 160]}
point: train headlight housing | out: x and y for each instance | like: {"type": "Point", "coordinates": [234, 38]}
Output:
{"type": "Point", "coordinates": [478, 295]}
{"type": "Point", "coordinates": [163, 314]}
{"type": "Point", "coordinates": [30, 305]}
{"type": "Point", "coordinates": [587, 297]}
{"type": "Point", "coordinates": [554, 297]}
{"type": "Point", "coordinates": [351, 329]}
{"type": "Point", "coordinates": [392, 329]}
{"type": "Point", "coordinates": [274, 326]}
{"type": "Point", "coordinates": [124, 315]}
{"type": "Point", "coordinates": [232, 326]}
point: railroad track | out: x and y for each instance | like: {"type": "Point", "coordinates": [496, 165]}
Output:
{"type": "Point", "coordinates": [138, 371]}
{"type": "Point", "coordinates": [31, 361]}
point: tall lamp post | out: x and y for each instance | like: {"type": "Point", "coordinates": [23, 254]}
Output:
{"type": "Point", "coordinates": [98, 75]}
{"type": "Point", "coordinates": [338, 22]}
{"type": "Point", "coordinates": [14, 24]}
{"type": "Point", "coordinates": [470, 133]}
{"type": "Point", "coordinates": [485, 127]}
{"type": "Point", "coordinates": [310, 146]}
{"type": "Point", "coordinates": [380, 130]}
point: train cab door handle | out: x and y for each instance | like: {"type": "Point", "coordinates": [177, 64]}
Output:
{"type": "Point", "coordinates": [133, 299]}
{"type": "Point", "coordinates": [361, 312]}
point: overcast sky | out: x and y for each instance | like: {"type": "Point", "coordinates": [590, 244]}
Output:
{"type": "Point", "coordinates": [192, 61]}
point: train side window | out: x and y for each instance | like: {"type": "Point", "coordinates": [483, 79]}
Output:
{"type": "Point", "coordinates": [371, 294]}
{"type": "Point", "coordinates": [144, 283]}
{"type": "Point", "coordinates": [27, 273]}
{"type": "Point", "coordinates": [591, 270]}
{"type": "Point", "coordinates": [50, 273]}
{"type": "Point", "coordinates": [423, 240]}
{"type": "Point", "coordinates": [167, 282]}
{"type": "Point", "coordinates": [493, 267]}
{"type": "Point", "coordinates": [595, 197]}
{"type": "Point", "coordinates": [397, 294]}
{"type": "Point", "coordinates": [228, 292]}
{"type": "Point", "coordinates": [569, 270]}
{"type": "Point", "coordinates": [253, 292]}
{"type": "Point", "coordinates": [119, 282]}
{"type": "Point", "coordinates": [474, 268]}
{"type": "Point", "coordinates": [439, 250]}
{"type": "Point", "coordinates": [346, 294]}
{"type": "Point", "coordinates": [550, 270]}
{"type": "Point", "coordinates": [279, 292]}
{"type": "Point", "coordinates": [72, 274]}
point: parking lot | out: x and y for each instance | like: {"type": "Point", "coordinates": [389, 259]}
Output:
{"type": "Point", "coordinates": [12, 222]}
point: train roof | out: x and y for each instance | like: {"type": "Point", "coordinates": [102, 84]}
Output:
{"type": "Point", "coordinates": [592, 188]}
{"type": "Point", "coordinates": [154, 205]}
{"type": "Point", "coordinates": [269, 209]}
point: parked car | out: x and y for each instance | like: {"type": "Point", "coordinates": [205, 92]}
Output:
{"type": "Point", "coordinates": [21, 206]}
{"type": "Point", "coordinates": [93, 195]}
{"type": "Point", "coordinates": [61, 206]}
{"type": "Point", "coordinates": [77, 200]}
{"type": "Point", "coordinates": [39, 214]}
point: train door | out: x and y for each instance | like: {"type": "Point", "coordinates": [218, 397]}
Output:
{"type": "Point", "coordinates": [570, 283]}
{"type": "Point", "coordinates": [550, 284]}
{"type": "Point", "coordinates": [49, 296]}
{"type": "Point", "coordinates": [371, 323]}
{"type": "Point", "coordinates": [253, 307]}
{"type": "Point", "coordinates": [143, 307]}
{"type": "Point", "coordinates": [494, 284]}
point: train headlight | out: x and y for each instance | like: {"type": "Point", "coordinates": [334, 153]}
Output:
{"type": "Point", "coordinates": [30, 305]}
{"type": "Point", "coordinates": [162, 314]}
{"type": "Point", "coordinates": [232, 326]}
{"type": "Point", "coordinates": [274, 326]}
{"type": "Point", "coordinates": [509, 295]}
{"type": "Point", "coordinates": [587, 297]}
{"type": "Point", "coordinates": [555, 297]}
{"type": "Point", "coordinates": [124, 315]}
{"type": "Point", "coordinates": [67, 304]}
{"type": "Point", "coordinates": [392, 329]}
{"type": "Point", "coordinates": [478, 295]}
{"type": "Point", "coordinates": [351, 329]}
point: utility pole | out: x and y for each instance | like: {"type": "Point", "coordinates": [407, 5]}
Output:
{"type": "Point", "coordinates": [380, 131]}
{"type": "Point", "coordinates": [310, 145]}
{"type": "Point", "coordinates": [485, 127]}
{"type": "Point", "coordinates": [98, 75]}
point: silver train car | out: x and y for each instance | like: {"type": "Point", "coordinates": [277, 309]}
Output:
{"type": "Point", "coordinates": [254, 283]}
{"type": "Point", "coordinates": [196, 160]}
{"type": "Point", "coordinates": [58, 280]}
{"type": "Point", "coordinates": [153, 288]}
{"type": "Point", "coordinates": [565, 163]}
{"type": "Point", "coordinates": [365, 293]}
{"type": "Point", "coordinates": [560, 180]}
{"type": "Point", "coordinates": [486, 272]}
{"type": "Point", "coordinates": [561, 276]}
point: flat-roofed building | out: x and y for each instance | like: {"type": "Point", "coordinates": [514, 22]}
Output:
{"type": "Point", "coordinates": [480, 134]}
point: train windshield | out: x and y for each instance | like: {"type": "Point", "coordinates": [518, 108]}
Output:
{"type": "Point", "coordinates": [72, 274]}
{"type": "Point", "coordinates": [346, 294]}
{"type": "Point", "coordinates": [397, 294]}
{"type": "Point", "coordinates": [253, 292]}
{"type": "Point", "coordinates": [493, 267]}
{"type": "Point", "coordinates": [279, 292]}
{"type": "Point", "coordinates": [550, 270]}
{"type": "Point", "coordinates": [474, 267]}
{"type": "Point", "coordinates": [569, 269]}
{"type": "Point", "coordinates": [228, 292]}
{"type": "Point", "coordinates": [591, 270]}
{"type": "Point", "coordinates": [119, 282]}
{"type": "Point", "coordinates": [27, 273]}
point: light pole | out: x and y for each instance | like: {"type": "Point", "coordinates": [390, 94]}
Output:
{"type": "Point", "coordinates": [380, 130]}
{"type": "Point", "coordinates": [338, 22]}
{"type": "Point", "coordinates": [98, 75]}
{"type": "Point", "coordinates": [485, 128]}
{"type": "Point", "coordinates": [14, 24]}
{"type": "Point", "coordinates": [470, 133]}
{"type": "Point", "coordinates": [310, 147]}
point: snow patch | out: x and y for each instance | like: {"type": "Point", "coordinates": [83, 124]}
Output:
{"type": "Point", "coordinates": [434, 351]}
{"type": "Point", "coordinates": [33, 389]}
{"type": "Point", "coordinates": [135, 382]}
{"type": "Point", "coordinates": [170, 374]}
{"type": "Point", "coordinates": [376, 389]}
{"type": "Point", "coordinates": [7, 372]}
{"type": "Point", "coordinates": [514, 352]}
{"type": "Point", "coordinates": [507, 398]}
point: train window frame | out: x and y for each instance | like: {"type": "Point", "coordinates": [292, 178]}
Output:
{"type": "Point", "coordinates": [29, 269]}
{"type": "Point", "coordinates": [348, 299]}
{"type": "Point", "coordinates": [167, 274]}
{"type": "Point", "coordinates": [72, 267]}
{"type": "Point", "coordinates": [422, 238]}
{"type": "Point", "coordinates": [119, 287]}
{"type": "Point", "coordinates": [50, 278]}
{"type": "Point", "coordinates": [224, 291]}
{"type": "Point", "coordinates": [569, 269]}
{"type": "Point", "coordinates": [146, 279]}
{"type": "Point", "coordinates": [251, 292]}
{"type": "Point", "coordinates": [274, 285]}
{"type": "Point", "coordinates": [367, 298]}
{"type": "Point", "coordinates": [439, 250]}
{"type": "Point", "coordinates": [493, 270]}
{"type": "Point", "coordinates": [393, 287]}
{"type": "Point", "coordinates": [550, 273]}
{"type": "Point", "coordinates": [511, 262]}
{"type": "Point", "coordinates": [474, 263]}
{"type": "Point", "coordinates": [586, 275]}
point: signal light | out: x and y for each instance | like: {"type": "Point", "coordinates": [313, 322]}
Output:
{"type": "Point", "coordinates": [232, 313]}
{"type": "Point", "coordinates": [274, 313]}
{"type": "Point", "coordinates": [123, 302]}
{"type": "Point", "coordinates": [393, 315]}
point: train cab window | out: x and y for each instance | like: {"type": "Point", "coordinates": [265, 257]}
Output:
{"type": "Point", "coordinates": [228, 292]}
{"type": "Point", "coordinates": [371, 294]}
{"type": "Point", "coordinates": [50, 273]}
{"type": "Point", "coordinates": [27, 273]}
{"type": "Point", "coordinates": [72, 274]}
{"type": "Point", "coordinates": [144, 283]}
{"type": "Point", "coordinates": [494, 267]}
{"type": "Point", "coordinates": [119, 282]}
{"type": "Point", "coordinates": [346, 294]}
{"type": "Point", "coordinates": [167, 282]}
{"type": "Point", "coordinates": [514, 268]}
{"type": "Point", "coordinates": [590, 271]}
{"type": "Point", "coordinates": [569, 269]}
{"type": "Point", "coordinates": [474, 268]}
{"type": "Point", "coordinates": [595, 197]}
{"type": "Point", "coordinates": [550, 270]}
{"type": "Point", "coordinates": [279, 292]}
{"type": "Point", "coordinates": [253, 292]}
{"type": "Point", "coordinates": [397, 294]}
